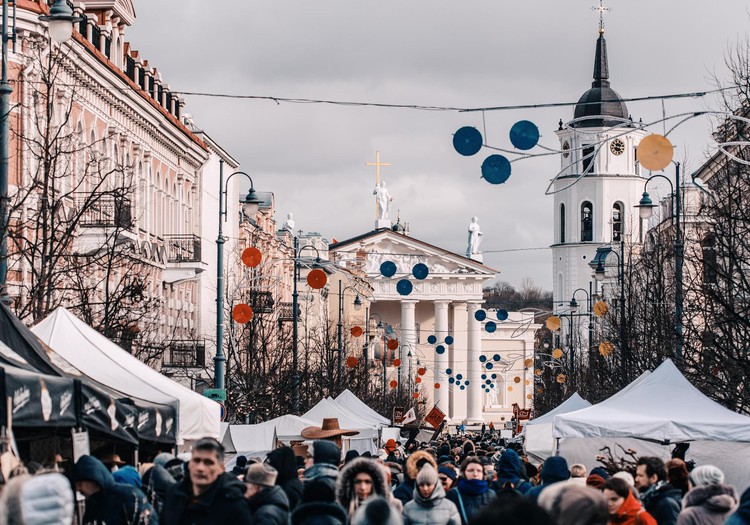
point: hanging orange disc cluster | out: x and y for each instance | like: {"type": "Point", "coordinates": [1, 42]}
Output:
{"type": "Point", "coordinates": [553, 323]}
{"type": "Point", "coordinates": [393, 383]}
{"type": "Point", "coordinates": [317, 279]}
{"type": "Point", "coordinates": [351, 361]}
{"type": "Point", "coordinates": [357, 331]}
{"type": "Point", "coordinates": [392, 344]}
{"type": "Point", "coordinates": [397, 362]}
{"type": "Point", "coordinates": [421, 371]}
{"type": "Point", "coordinates": [242, 313]}
{"type": "Point", "coordinates": [251, 257]}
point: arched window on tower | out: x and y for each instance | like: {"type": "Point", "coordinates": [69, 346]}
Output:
{"type": "Point", "coordinates": [708, 247]}
{"type": "Point", "coordinates": [587, 222]}
{"type": "Point", "coordinates": [587, 158]}
{"type": "Point", "coordinates": [562, 223]}
{"type": "Point", "coordinates": [618, 211]}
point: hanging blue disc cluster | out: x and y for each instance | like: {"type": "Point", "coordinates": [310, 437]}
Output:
{"type": "Point", "coordinates": [388, 269]}
{"type": "Point", "coordinates": [480, 315]}
{"type": "Point", "coordinates": [440, 348]}
{"type": "Point", "coordinates": [502, 315]}
{"type": "Point", "coordinates": [467, 141]}
{"type": "Point", "coordinates": [524, 135]}
{"type": "Point", "coordinates": [496, 169]}
{"type": "Point", "coordinates": [420, 271]}
{"type": "Point", "coordinates": [488, 382]}
{"type": "Point", "coordinates": [490, 326]}
{"type": "Point", "coordinates": [457, 380]}
{"type": "Point", "coordinates": [404, 287]}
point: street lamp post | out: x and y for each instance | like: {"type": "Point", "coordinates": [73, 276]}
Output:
{"type": "Point", "coordinates": [645, 208]}
{"type": "Point", "coordinates": [339, 327]}
{"type": "Point", "coordinates": [381, 326]}
{"type": "Point", "coordinates": [574, 308]}
{"type": "Point", "coordinates": [600, 275]}
{"type": "Point", "coordinates": [61, 20]}
{"type": "Point", "coordinates": [250, 208]}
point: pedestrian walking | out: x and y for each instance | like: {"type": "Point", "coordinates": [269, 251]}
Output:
{"type": "Point", "coordinates": [43, 499]}
{"type": "Point", "coordinates": [405, 491]}
{"type": "Point", "coordinates": [361, 479]}
{"type": "Point", "coordinates": [428, 505]}
{"type": "Point", "coordinates": [284, 461]}
{"type": "Point", "coordinates": [472, 491]}
{"type": "Point", "coordinates": [622, 505]}
{"type": "Point", "coordinates": [709, 501]}
{"type": "Point", "coordinates": [267, 502]}
{"type": "Point", "coordinates": [659, 498]}
{"type": "Point", "coordinates": [742, 515]}
{"type": "Point", "coordinates": [554, 470]}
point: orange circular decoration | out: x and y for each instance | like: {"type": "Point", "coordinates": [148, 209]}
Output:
{"type": "Point", "coordinates": [242, 313]}
{"type": "Point", "coordinates": [606, 348]}
{"type": "Point", "coordinates": [553, 323]}
{"type": "Point", "coordinates": [422, 371]}
{"type": "Point", "coordinates": [510, 389]}
{"type": "Point", "coordinates": [317, 279]}
{"type": "Point", "coordinates": [415, 395]}
{"type": "Point", "coordinates": [392, 344]}
{"type": "Point", "coordinates": [655, 152]}
{"type": "Point", "coordinates": [251, 257]}
{"type": "Point", "coordinates": [351, 361]}
{"type": "Point", "coordinates": [537, 372]}
{"type": "Point", "coordinates": [557, 353]}
{"type": "Point", "coordinates": [529, 396]}
{"type": "Point", "coordinates": [437, 386]}
{"type": "Point", "coordinates": [357, 331]}
{"type": "Point", "coordinates": [397, 362]}
{"type": "Point", "coordinates": [528, 362]}
{"type": "Point", "coordinates": [561, 378]}
{"type": "Point", "coordinates": [393, 383]}
{"type": "Point", "coordinates": [516, 379]}
{"type": "Point", "coordinates": [418, 379]}
{"type": "Point", "coordinates": [527, 382]}
{"type": "Point", "coordinates": [600, 308]}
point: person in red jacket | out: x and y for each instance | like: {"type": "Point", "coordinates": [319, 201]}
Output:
{"type": "Point", "coordinates": [623, 507]}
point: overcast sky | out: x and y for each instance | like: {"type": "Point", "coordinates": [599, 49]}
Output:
{"type": "Point", "coordinates": [474, 53]}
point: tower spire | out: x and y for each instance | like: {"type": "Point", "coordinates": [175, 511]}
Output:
{"type": "Point", "coordinates": [601, 64]}
{"type": "Point", "coordinates": [602, 9]}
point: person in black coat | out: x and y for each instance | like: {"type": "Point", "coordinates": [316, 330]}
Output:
{"type": "Point", "coordinates": [318, 506]}
{"type": "Point", "coordinates": [472, 493]}
{"type": "Point", "coordinates": [267, 502]}
{"type": "Point", "coordinates": [284, 461]}
{"type": "Point", "coordinates": [207, 495]}
{"type": "Point", "coordinates": [659, 498]}
{"type": "Point", "coordinates": [108, 501]}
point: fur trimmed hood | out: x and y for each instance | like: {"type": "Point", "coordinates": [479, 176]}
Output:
{"type": "Point", "coordinates": [345, 483]}
{"type": "Point", "coordinates": [412, 468]}
{"type": "Point", "coordinates": [716, 498]}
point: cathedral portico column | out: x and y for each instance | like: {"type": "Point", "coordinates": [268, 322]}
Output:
{"type": "Point", "coordinates": [474, 395]}
{"type": "Point", "coordinates": [442, 394]}
{"type": "Point", "coordinates": [408, 339]}
{"type": "Point", "coordinates": [458, 362]}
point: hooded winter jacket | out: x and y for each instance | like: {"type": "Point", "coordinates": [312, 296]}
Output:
{"type": "Point", "coordinates": [434, 510]}
{"type": "Point", "coordinates": [663, 502]}
{"type": "Point", "coordinates": [223, 503]}
{"type": "Point", "coordinates": [555, 469]}
{"type": "Point", "coordinates": [708, 505]}
{"type": "Point", "coordinates": [345, 494]}
{"type": "Point", "coordinates": [159, 482]}
{"type": "Point", "coordinates": [319, 513]}
{"type": "Point", "coordinates": [283, 460]}
{"type": "Point", "coordinates": [270, 506]}
{"type": "Point", "coordinates": [405, 490]}
{"type": "Point", "coordinates": [631, 512]}
{"type": "Point", "coordinates": [742, 516]}
{"type": "Point", "coordinates": [115, 503]}
{"type": "Point", "coordinates": [511, 470]}
{"type": "Point", "coordinates": [38, 500]}
{"type": "Point", "coordinates": [470, 496]}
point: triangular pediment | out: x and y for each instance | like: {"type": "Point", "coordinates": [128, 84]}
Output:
{"type": "Point", "coordinates": [123, 9]}
{"type": "Point", "coordinates": [370, 251]}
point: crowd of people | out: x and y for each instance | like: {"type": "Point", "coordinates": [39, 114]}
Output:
{"type": "Point", "coordinates": [458, 480]}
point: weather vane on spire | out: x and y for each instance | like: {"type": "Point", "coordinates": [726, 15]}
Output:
{"type": "Point", "coordinates": [602, 9]}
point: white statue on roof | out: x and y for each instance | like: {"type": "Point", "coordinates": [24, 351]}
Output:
{"type": "Point", "coordinates": [383, 199]}
{"type": "Point", "coordinates": [475, 238]}
{"type": "Point", "coordinates": [289, 223]}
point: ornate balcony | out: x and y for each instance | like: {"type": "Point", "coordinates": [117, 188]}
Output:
{"type": "Point", "coordinates": [183, 248]}
{"type": "Point", "coordinates": [105, 211]}
{"type": "Point", "coordinates": [261, 302]}
{"type": "Point", "coordinates": [186, 354]}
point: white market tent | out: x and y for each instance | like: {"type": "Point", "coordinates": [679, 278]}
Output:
{"type": "Point", "coordinates": [261, 437]}
{"type": "Point", "coordinates": [368, 431]}
{"type": "Point", "coordinates": [97, 357]}
{"type": "Point", "coordinates": [538, 441]}
{"type": "Point", "coordinates": [654, 413]}
{"type": "Point", "coordinates": [347, 399]}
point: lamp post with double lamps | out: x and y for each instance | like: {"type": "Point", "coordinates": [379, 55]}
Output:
{"type": "Point", "coordinates": [60, 20]}
{"type": "Point", "coordinates": [357, 303]}
{"type": "Point", "coordinates": [250, 208]}
{"type": "Point", "coordinates": [600, 275]}
{"type": "Point", "coordinates": [645, 208]}
{"type": "Point", "coordinates": [574, 308]}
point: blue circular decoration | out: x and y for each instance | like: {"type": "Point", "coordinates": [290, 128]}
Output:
{"type": "Point", "coordinates": [487, 390]}
{"type": "Point", "coordinates": [388, 269]}
{"type": "Point", "coordinates": [489, 366]}
{"type": "Point", "coordinates": [488, 381]}
{"type": "Point", "coordinates": [458, 382]}
{"type": "Point", "coordinates": [404, 287]}
{"type": "Point", "coordinates": [482, 358]}
{"type": "Point", "coordinates": [502, 315]}
{"type": "Point", "coordinates": [420, 271]}
{"type": "Point", "coordinates": [467, 382]}
{"type": "Point", "coordinates": [451, 380]}
{"type": "Point", "coordinates": [448, 371]}
{"type": "Point", "coordinates": [459, 376]}
{"type": "Point", "coordinates": [480, 315]}
{"type": "Point", "coordinates": [494, 376]}
{"type": "Point", "coordinates": [431, 339]}
{"type": "Point", "coordinates": [490, 326]}
{"type": "Point", "coordinates": [448, 340]}
{"type": "Point", "coordinates": [524, 135]}
{"type": "Point", "coordinates": [463, 387]}
{"type": "Point", "coordinates": [467, 141]}
{"type": "Point", "coordinates": [484, 376]}
{"type": "Point", "coordinates": [496, 169]}
{"type": "Point", "coordinates": [440, 349]}
{"type": "Point", "coordinates": [492, 385]}
{"type": "Point", "coordinates": [496, 357]}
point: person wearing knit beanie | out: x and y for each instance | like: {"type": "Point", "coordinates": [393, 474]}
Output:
{"type": "Point", "coordinates": [709, 501]}
{"type": "Point", "coordinates": [447, 477]}
{"type": "Point", "coordinates": [706, 475]}
{"type": "Point", "coordinates": [429, 504]}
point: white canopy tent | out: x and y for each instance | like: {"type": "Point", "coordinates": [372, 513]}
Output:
{"type": "Point", "coordinates": [654, 413]}
{"type": "Point", "coordinates": [347, 399]}
{"type": "Point", "coordinates": [248, 438]}
{"type": "Point", "coordinates": [538, 441]}
{"type": "Point", "coordinates": [97, 357]}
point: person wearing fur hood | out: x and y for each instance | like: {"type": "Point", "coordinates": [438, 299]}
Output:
{"type": "Point", "coordinates": [404, 492]}
{"type": "Point", "coordinates": [709, 501]}
{"type": "Point", "coordinates": [360, 479]}
{"type": "Point", "coordinates": [429, 506]}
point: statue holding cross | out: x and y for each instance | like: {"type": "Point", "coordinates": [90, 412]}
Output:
{"type": "Point", "coordinates": [382, 197]}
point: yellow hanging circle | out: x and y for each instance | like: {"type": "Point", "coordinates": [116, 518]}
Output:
{"type": "Point", "coordinates": [655, 152]}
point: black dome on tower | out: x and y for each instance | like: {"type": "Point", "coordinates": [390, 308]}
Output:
{"type": "Point", "coordinates": [600, 99]}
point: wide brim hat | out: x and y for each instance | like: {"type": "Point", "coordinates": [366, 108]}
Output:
{"type": "Point", "coordinates": [113, 459]}
{"type": "Point", "coordinates": [329, 428]}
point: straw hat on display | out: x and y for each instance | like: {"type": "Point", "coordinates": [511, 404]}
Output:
{"type": "Point", "coordinates": [328, 430]}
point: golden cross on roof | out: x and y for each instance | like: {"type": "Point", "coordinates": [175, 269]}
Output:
{"type": "Point", "coordinates": [377, 165]}
{"type": "Point", "coordinates": [602, 9]}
